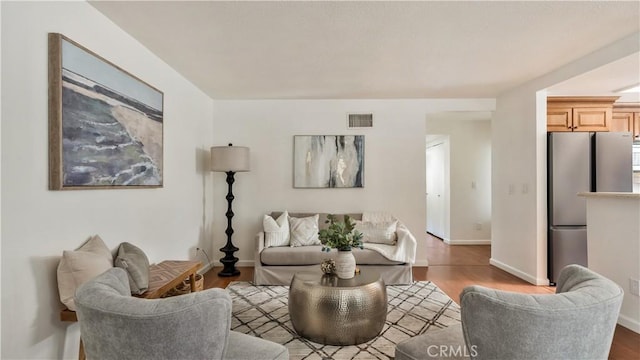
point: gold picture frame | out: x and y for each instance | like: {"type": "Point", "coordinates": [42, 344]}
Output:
{"type": "Point", "coordinates": [105, 125]}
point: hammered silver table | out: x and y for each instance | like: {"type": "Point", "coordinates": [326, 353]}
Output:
{"type": "Point", "coordinates": [333, 311]}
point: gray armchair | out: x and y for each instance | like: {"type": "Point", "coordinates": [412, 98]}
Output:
{"type": "Point", "coordinates": [577, 322]}
{"type": "Point", "coordinates": [115, 325]}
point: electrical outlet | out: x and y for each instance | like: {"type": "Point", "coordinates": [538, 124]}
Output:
{"type": "Point", "coordinates": [512, 189]}
{"type": "Point", "coordinates": [634, 287]}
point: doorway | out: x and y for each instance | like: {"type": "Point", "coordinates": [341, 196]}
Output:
{"type": "Point", "coordinates": [435, 186]}
{"type": "Point", "coordinates": [458, 177]}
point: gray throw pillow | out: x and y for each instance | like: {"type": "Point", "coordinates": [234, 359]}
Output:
{"type": "Point", "coordinates": [132, 259]}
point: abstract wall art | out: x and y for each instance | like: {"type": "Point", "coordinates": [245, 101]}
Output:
{"type": "Point", "coordinates": [328, 161]}
{"type": "Point", "coordinates": [105, 125]}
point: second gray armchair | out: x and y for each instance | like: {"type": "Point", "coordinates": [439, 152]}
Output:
{"type": "Point", "coordinates": [577, 322]}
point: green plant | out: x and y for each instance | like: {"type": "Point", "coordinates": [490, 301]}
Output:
{"type": "Point", "coordinates": [340, 235]}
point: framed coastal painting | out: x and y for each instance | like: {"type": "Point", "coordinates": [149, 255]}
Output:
{"type": "Point", "coordinates": [328, 161]}
{"type": "Point", "coordinates": [105, 125]}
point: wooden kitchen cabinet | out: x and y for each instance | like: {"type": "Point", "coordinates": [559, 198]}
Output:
{"type": "Point", "coordinates": [579, 113]}
{"type": "Point", "coordinates": [626, 117]}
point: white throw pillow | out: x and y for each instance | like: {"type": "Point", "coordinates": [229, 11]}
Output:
{"type": "Point", "coordinates": [304, 231]}
{"type": "Point", "coordinates": [276, 232]}
{"type": "Point", "coordinates": [78, 266]}
{"type": "Point", "coordinates": [383, 232]}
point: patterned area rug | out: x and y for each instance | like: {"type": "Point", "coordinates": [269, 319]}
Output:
{"type": "Point", "coordinates": [262, 311]}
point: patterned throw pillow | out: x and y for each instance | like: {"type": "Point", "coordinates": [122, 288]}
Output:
{"type": "Point", "coordinates": [276, 232]}
{"type": "Point", "coordinates": [304, 231]}
{"type": "Point", "coordinates": [383, 232]}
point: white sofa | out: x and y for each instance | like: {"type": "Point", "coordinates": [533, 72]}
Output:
{"type": "Point", "coordinates": [276, 265]}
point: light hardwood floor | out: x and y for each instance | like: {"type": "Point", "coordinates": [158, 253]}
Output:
{"type": "Point", "coordinates": [452, 268]}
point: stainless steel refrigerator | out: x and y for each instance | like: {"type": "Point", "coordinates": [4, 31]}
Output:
{"type": "Point", "coordinates": [580, 162]}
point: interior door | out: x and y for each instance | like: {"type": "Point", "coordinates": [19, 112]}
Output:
{"type": "Point", "coordinates": [435, 190]}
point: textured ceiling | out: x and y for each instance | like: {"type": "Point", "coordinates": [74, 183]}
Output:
{"type": "Point", "coordinates": [614, 76]}
{"type": "Point", "coordinates": [448, 49]}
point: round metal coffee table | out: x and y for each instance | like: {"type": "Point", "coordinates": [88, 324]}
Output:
{"type": "Point", "coordinates": [329, 310]}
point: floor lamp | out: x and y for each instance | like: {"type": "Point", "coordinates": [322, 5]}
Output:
{"type": "Point", "coordinates": [229, 159]}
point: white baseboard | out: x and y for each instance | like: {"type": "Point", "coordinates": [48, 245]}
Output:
{"type": "Point", "coordinates": [205, 268]}
{"type": "Point", "coordinates": [629, 323]}
{"type": "Point", "coordinates": [240, 263]}
{"type": "Point", "coordinates": [245, 263]}
{"type": "Point", "coordinates": [515, 272]}
{"type": "Point", "coordinates": [468, 242]}
{"type": "Point", "coordinates": [421, 263]}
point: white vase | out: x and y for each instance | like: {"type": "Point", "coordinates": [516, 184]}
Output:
{"type": "Point", "coordinates": [345, 264]}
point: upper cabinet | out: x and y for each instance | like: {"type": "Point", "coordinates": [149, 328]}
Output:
{"type": "Point", "coordinates": [580, 113]}
{"type": "Point", "coordinates": [626, 117]}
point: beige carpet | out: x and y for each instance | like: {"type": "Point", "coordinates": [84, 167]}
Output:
{"type": "Point", "coordinates": [262, 311]}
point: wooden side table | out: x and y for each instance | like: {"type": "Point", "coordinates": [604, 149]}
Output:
{"type": "Point", "coordinates": [162, 278]}
{"type": "Point", "coordinates": [169, 274]}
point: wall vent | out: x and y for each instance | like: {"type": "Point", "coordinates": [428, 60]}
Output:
{"type": "Point", "coordinates": [358, 121]}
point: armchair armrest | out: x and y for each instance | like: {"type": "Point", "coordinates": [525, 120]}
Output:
{"type": "Point", "coordinates": [116, 326]}
{"type": "Point", "coordinates": [407, 241]}
{"type": "Point", "coordinates": [257, 263]}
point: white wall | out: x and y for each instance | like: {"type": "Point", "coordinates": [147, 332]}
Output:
{"type": "Point", "coordinates": [614, 251]}
{"type": "Point", "coordinates": [38, 224]}
{"type": "Point", "coordinates": [394, 161]}
{"type": "Point", "coordinates": [470, 161]}
{"type": "Point", "coordinates": [519, 189]}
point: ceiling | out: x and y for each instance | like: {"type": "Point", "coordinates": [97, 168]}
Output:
{"type": "Point", "coordinates": [377, 49]}
{"type": "Point", "coordinates": [605, 80]}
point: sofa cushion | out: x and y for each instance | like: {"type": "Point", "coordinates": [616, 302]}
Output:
{"type": "Point", "coordinates": [276, 231]}
{"type": "Point", "coordinates": [135, 262]}
{"type": "Point", "coordinates": [383, 232]}
{"type": "Point", "coordinates": [312, 255]}
{"type": "Point", "coordinates": [304, 231]}
{"type": "Point", "coordinates": [77, 267]}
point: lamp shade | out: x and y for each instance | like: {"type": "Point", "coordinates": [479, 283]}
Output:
{"type": "Point", "coordinates": [230, 158]}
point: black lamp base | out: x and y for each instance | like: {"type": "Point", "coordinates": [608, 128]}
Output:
{"type": "Point", "coordinates": [229, 261]}
{"type": "Point", "coordinates": [229, 272]}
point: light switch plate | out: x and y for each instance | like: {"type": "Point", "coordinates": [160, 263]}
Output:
{"type": "Point", "coordinates": [634, 287]}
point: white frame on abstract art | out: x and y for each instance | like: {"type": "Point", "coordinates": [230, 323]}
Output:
{"type": "Point", "coordinates": [328, 161]}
